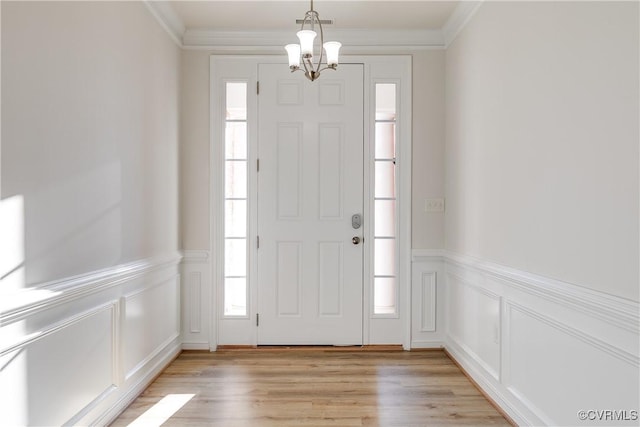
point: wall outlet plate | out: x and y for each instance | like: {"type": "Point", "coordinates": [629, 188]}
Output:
{"type": "Point", "coordinates": [434, 205]}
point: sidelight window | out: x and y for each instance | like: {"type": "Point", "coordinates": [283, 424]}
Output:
{"type": "Point", "coordinates": [385, 290]}
{"type": "Point", "coordinates": [235, 200]}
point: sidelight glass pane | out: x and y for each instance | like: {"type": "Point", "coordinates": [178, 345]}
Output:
{"type": "Point", "coordinates": [235, 139]}
{"type": "Point", "coordinates": [385, 218]}
{"type": "Point", "coordinates": [236, 101]}
{"type": "Point", "coordinates": [235, 296]}
{"type": "Point", "coordinates": [385, 101]}
{"type": "Point", "coordinates": [384, 301]}
{"type": "Point", "coordinates": [384, 249]}
{"type": "Point", "coordinates": [385, 182]}
{"type": "Point", "coordinates": [235, 187]}
{"type": "Point", "coordinates": [235, 260]}
{"type": "Point", "coordinates": [385, 257]}
{"type": "Point", "coordinates": [235, 179]}
{"type": "Point", "coordinates": [385, 140]}
{"type": "Point", "coordinates": [235, 224]}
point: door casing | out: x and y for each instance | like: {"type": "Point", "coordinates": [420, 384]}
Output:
{"type": "Point", "coordinates": [377, 329]}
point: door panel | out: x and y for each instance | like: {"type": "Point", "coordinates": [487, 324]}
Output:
{"type": "Point", "coordinates": [310, 146]}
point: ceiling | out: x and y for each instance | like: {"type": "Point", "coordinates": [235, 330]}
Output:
{"type": "Point", "coordinates": [240, 15]}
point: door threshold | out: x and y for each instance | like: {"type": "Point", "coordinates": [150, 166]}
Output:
{"type": "Point", "coordinates": [336, 348]}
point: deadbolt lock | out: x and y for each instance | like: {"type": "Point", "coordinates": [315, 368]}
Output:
{"type": "Point", "coordinates": [355, 240]}
{"type": "Point", "coordinates": [356, 221]}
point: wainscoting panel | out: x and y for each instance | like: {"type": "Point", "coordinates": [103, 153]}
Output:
{"type": "Point", "coordinates": [427, 300]}
{"type": "Point", "coordinates": [151, 321]}
{"type": "Point", "coordinates": [542, 349]}
{"type": "Point", "coordinates": [66, 346]}
{"type": "Point", "coordinates": [475, 323]}
{"type": "Point", "coordinates": [82, 345]}
{"type": "Point", "coordinates": [196, 300]}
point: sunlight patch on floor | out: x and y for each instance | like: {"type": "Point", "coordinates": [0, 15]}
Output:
{"type": "Point", "coordinates": [162, 411]}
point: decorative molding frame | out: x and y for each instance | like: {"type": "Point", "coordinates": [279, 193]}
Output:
{"type": "Point", "coordinates": [428, 321]}
{"type": "Point", "coordinates": [429, 297]}
{"type": "Point", "coordinates": [196, 300]}
{"type": "Point", "coordinates": [587, 338]}
{"type": "Point", "coordinates": [69, 321]}
{"type": "Point", "coordinates": [360, 41]}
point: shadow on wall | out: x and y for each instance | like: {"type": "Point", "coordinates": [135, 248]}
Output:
{"type": "Point", "coordinates": [12, 277]}
{"type": "Point", "coordinates": [62, 229]}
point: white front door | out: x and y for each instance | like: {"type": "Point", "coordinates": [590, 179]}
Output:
{"type": "Point", "coordinates": [310, 184]}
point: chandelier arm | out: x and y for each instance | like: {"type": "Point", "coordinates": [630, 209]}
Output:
{"type": "Point", "coordinates": [304, 63]}
{"type": "Point", "coordinates": [321, 42]}
{"type": "Point", "coordinates": [307, 18]}
{"type": "Point", "coordinates": [328, 67]}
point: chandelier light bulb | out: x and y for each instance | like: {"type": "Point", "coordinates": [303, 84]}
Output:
{"type": "Point", "coordinates": [306, 42]}
{"type": "Point", "coordinates": [332, 49]}
{"type": "Point", "coordinates": [293, 50]}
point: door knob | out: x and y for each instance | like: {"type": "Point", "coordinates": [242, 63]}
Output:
{"type": "Point", "coordinates": [355, 240]}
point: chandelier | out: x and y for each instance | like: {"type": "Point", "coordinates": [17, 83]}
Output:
{"type": "Point", "coordinates": [303, 52]}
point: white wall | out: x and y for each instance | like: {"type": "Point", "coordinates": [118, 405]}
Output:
{"type": "Point", "coordinates": [89, 205]}
{"type": "Point", "coordinates": [428, 148]}
{"type": "Point", "coordinates": [90, 131]}
{"type": "Point", "coordinates": [542, 141]}
{"type": "Point", "coordinates": [194, 150]}
{"type": "Point", "coordinates": [541, 267]}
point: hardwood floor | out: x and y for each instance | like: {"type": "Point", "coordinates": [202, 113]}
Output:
{"type": "Point", "coordinates": [317, 387]}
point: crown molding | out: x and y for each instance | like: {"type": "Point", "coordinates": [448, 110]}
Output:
{"type": "Point", "coordinates": [459, 19]}
{"type": "Point", "coordinates": [268, 40]}
{"type": "Point", "coordinates": [167, 18]}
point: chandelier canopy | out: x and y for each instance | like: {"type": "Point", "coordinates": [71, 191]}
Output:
{"type": "Point", "coordinates": [303, 52]}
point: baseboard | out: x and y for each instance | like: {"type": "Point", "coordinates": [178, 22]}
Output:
{"type": "Point", "coordinates": [427, 345]}
{"type": "Point", "coordinates": [489, 397]}
{"type": "Point", "coordinates": [165, 357]}
{"type": "Point", "coordinates": [195, 346]}
{"type": "Point", "coordinates": [504, 403]}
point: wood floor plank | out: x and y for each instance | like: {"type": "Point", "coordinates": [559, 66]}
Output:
{"type": "Point", "coordinates": [317, 387]}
